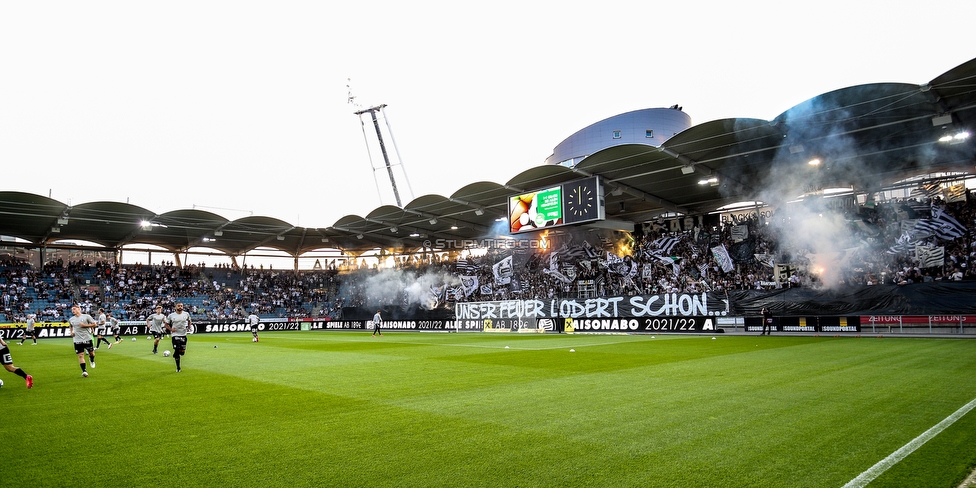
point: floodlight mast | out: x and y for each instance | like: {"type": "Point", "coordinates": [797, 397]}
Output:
{"type": "Point", "coordinates": [386, 158]}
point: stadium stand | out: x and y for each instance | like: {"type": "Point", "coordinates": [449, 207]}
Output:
{"type": "Point", "coordinates": [880, 245]}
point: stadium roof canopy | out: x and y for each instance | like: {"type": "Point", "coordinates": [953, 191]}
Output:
{"type": "Point", "coordinates": [867, 137]}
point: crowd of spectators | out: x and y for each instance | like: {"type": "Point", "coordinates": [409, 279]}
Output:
{"type": "Point", "coordinates": [765, 255]}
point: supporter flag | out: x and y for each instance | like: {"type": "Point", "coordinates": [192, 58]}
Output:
{"type": "Point", "coordinates": [703, 238]}
{"type": "Point", "coordinates": [913, 209]}
{"type": "Point", "coordinates": [927, 190]}
{"type": "Point", "coordinates": [722, 258]}
{"type": "Point", "coordinates": [437, 292]}
{"type": "Point", "coordinates": [765, 259]}
{"type": "Point", "coordinates": [469, 284]}
{"type": "Point", "coordinates": [742, 252]}
{"type": "Point", "coordinates": [457, 293]}
{"type": "Point", "coordinates": [503, 271]}
{"type": "Point", "coordinates": [703, 269]}
{"type": "Point", "coordinates": [929, 256]}
{"type": "Point", "coordinates": [955, 193]}
{"type": "Point", "coordinates": [467, 266]}
{"type": "Point", "coordinates": [621, 266]}
{"type": "Point", "coordinates": [740, 233]}
{"type": "Point", "coordinates": [675, 267]}
{"type": "Point", "coordinates": [902, 245]}
{"type": "Point", "coordinates": [486, 289]}
{"type": "Point", "coordinates": [782, 272]}
{"type": "Point", "coordinates": [648, 272]}
{"type": "Point", "coordinates": [556, 274]}
{"type": "Point", "coordinates": [666, 244]}
{"type": "Point", "coordinates": [946, 224]}
{"type": "Point", "coordinates": [578, 252]}
{"type": "Point", "coordinates": [570, 271]}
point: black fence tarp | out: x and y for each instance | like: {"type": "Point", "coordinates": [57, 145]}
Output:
{"type": "Point", "coordinates": [938, 298]}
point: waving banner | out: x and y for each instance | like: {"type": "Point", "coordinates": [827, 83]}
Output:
{"type": "Point", "coordinates": [664, 305]}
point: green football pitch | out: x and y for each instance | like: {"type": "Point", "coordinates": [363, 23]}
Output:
{"type": "Point", "coordinates": [479, 409]}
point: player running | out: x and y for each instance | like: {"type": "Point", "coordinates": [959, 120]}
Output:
{"type": "Point", "coordinates": [8, 364]}
{"type": "Point", "coordinates": [177, 323]}
{"type": "Point", "coordinates": [100, 331]}
{"type": "Point", "coordinates": [81, 334]}
{"type": "Point", "coordinates": [115, 326]}
{"type": "Point", "coordinates": [155, 323]}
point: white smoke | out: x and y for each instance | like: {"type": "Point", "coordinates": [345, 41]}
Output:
{"type": "Point", "coordinates": [806, 224]}
{"type": "Point", "coordinates": [406, 288]}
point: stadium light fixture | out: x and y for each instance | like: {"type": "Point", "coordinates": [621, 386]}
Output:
{"type": "Point", "coordinates": [954, 139]}
{"type": "Point", "coordinates": [359, 236]}
{"type": "Point", "coordinates": [433, 221]}
{"type": "Point", "coordinates": [218, 233]}
{"type": "Point", "coordinates": [706, 181]}
{"type": "Point", "coordinates": [394, 229]}
{"type": "Point", "coordinates": [943, 120]}
{"type": "Point", "coordinates": [479, 211]}
{"type": "Point", "coordinates": [325, 239]}
{"type": "Point", "coordinates": [281, 238]}
{"type": "Point", "coordinates": [687, 169]}
{"type": "Point", "coordinates": [814, 162]}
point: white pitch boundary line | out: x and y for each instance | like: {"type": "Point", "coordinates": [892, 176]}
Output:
{"type": "Point", "coordinates": [874, 471]}
{"type": "Point", "coordinates": [495, 346]}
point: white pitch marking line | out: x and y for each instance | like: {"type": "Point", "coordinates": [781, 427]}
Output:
{"type": "Point", "coordinates": [895, 457]}
{"type": "Point", "coordinates": [495, 346]}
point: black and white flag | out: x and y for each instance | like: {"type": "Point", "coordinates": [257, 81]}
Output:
{"type": "Point", "coordinates": [929, 256]}
{"type": "Point", "coordinates": [469, 283]}
{"type": "Point", "coordinates": [665, 244]}
{"type": "Point", "coordinates": [503, 271]}
{"type": "Point", "coordinates": [721, 255]}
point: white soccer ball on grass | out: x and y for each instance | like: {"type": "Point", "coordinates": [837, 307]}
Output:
{"type": "Point", "coordinates": [166, 353]}
{"type": "Point", "coordinates": [1, 383]}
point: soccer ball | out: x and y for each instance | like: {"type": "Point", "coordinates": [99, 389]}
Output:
{"type": "Point", "coordinates": [1, 383]}
{"type": "Point", "coordinates": [133, 339]}
{"type": "Point", "coordinates": [254, 339]}
{"type": "Point", "coordinates": [166, 353]}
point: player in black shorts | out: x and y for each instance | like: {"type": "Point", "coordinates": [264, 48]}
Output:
{"type": "Point", "coordinates": [81, 334]}
{"type": "Point", "coordinates": [8, 364]}
{"type": "Point", "coordinates": [114, 326]}
{"type": "Point", "coordinates": [30, 333]}
{"type": "Point", "coordinates": [178, 324]}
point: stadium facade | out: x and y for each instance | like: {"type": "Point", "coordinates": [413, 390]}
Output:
{"type": "Point", "coordinates": [650, 126]}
